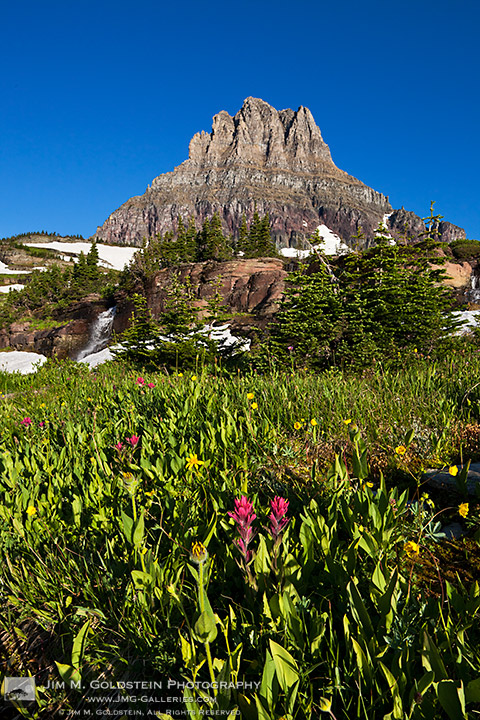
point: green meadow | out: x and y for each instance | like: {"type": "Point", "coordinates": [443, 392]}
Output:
{"type": "Point", "coordinates": [247, 545]}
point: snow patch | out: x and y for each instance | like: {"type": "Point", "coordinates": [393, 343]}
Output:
{"type": "Point", "coordinates": [332, 243]}
{"type": "Point", "coordinates": [20, 361]}
{"type": "Point", "coordinates": [4, 270]}
{"type": "Point", "coordinates": [110, 256]}
{"type": "Point", "coordinates": [294, 253]}
{"type": "Point", "coordinates": [382, 229]}
{"type": "Point", "coordinates": [8, 288]}
{"type": "Point", "coordinates": [97, 358]}
{"type": "Point", "coordinates": [470, 319]}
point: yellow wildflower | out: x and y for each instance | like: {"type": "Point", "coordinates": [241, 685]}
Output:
{"type": "Point", "coordinates": [254, 406]}
{"type": "Point", "coordinates": [453, 470]}
{"type": "Point", "coordinates": [313, 422]}
{"type": "Point", "coordinates": [348, 421]}
{"type": "Point", "coordinates": [143, 550]}
{"type": "Point", "coordinates": [198, 553]}
{"type": "Point", "coordinates": [194, 377]}
{"type": "Point", "coordinates": [401, 450]}
{"type": "Point", "coordinates": [297, 425]}
{"type": "Point", "coordinates": [180, 375]}
{"type": "Point", "coordinates": [193, 462]}
{"type": "Point", "coordinates": [325, 704]}
{"type": "Point", "coordinates": [250, 396]}
{"type": "Point", "coordinates": [151, 493]}
{"type": "Point", "coordinates": [463, 509]}
{"type": "Point", "coordinates": [31, 510]}
{"type": "Point", "coordinates": [171, 590]}
{"type": "Point", "coordinates": [412, 549]}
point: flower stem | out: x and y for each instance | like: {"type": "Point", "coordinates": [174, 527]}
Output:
{"type": "Point", "coordinates": [201, 602]}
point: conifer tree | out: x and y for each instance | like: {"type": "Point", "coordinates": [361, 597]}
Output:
{"type": "Point", "coordinates": [266, 246]}
{"type": "Point", "coordinates": [181, 241]}
{"type": "Point", "coordinates": [253, 236]}
{"type": "Point", "coordinates": [243, 236]}
{"type": "Point", "coordinates": [190, 240]}
{"type": "Point", "coordinates": [91, 264]}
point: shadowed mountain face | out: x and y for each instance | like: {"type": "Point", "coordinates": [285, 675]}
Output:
{"type": "Point", "coordinates": [276, 161]}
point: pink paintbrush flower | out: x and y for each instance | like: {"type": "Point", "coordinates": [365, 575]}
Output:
{"type": "Point", "coordinates": [243, 515]}
{"type": "Point", "coordinates": [278, 517]}
{"type": "Point", "coordinates": [133, 440]}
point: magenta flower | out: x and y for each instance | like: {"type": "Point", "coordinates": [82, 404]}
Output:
{"type": "Point", "coordinates": [133, 440]}
{"type": "Point", "coordinates": [140, 381]}
{"type": "Point", "coordinates": [278, 517]}
{"type": "Point", "coordinates": [290, 348]}
{"type": "Point", "coordinates": [244, 516]}
{"type": "Point", "coordinates": [151, 385]}
{"type": "Point", "coordinates": [26, 422]}
{"type": "Point", "coordinates": [42, 424]}
{"type": "Point", "coordinates": [119, 446]}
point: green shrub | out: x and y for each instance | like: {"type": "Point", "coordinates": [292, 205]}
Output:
{"type": "Point", "coordinates": [464, 249]}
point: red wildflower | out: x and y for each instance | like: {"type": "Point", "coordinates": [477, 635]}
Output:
{"type": "Point", "coordinates": [133, 440]}
{"type": "Point", "coordinates": [244, 516]}
{"type": "Point", "coordinates": [278, 519]}
{"type": "Point", "coordinates": [26, 421]}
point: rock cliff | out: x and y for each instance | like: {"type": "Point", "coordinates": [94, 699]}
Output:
{"type": "Point", "coordinates": [274, 160]}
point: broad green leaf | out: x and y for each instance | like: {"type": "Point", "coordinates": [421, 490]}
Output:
{"type": "Point", "coordinates": [139, 531]}
{"type": "Point", "coordinates": [206, 627]}
{"type": "Point", "coordinates": [452, 699]}
{"type": "Point", "coordinates": [127, 526]}
{"type": "Point", "coordinates": [69, 674]}
{"type": "Point", "coordinates": [285, 667]}
{"type": "Point", "coordinates": [431, 659]}
{"type": "Point", "coordinates": [141, 579]}
{"type": "Point", "coordinates": [79, 644]}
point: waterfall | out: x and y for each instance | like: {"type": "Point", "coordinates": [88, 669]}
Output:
{"type": "Point", "coordinates": [473, 295]}
{"type": "Point", "coordinates": [100, 332]}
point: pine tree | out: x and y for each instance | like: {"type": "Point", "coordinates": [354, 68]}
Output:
{"type": "Point", "coordinates": [242, 245]}
{"type": "Point", "coordinates": [91, 268]}
{"type": "Point", "coordinates": [181, 241]}
{"type": "Point", "coordinates": [190, 240]}
{"type": "Point", "coordinates": [253, 236]}
{"type": "Point", "coordinates": [266, 246]}
{"type": "Point", "coordinates": [140, 338]}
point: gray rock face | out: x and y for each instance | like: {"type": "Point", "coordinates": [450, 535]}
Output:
{"type": "Point", "coordinates": [274, 160]}
{"type": "Point", "coordinates": [405, 224]}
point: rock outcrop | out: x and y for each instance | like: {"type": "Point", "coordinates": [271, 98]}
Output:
{"type": "Point", "coordinates": [274, 160]}
{"type": "Point", "coordinates": [63, 341]}
{"type": "Point", "coordinates": [253, 286]}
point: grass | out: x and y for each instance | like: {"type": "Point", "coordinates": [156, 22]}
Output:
{"type": "Point", "coordinates": [103, 498]}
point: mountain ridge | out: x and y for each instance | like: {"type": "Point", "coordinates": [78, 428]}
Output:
{"type": "Point", "coordinates": [273, 161]}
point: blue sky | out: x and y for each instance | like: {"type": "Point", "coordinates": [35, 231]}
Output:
{"type": "Point", "coordinates": [98, 98]}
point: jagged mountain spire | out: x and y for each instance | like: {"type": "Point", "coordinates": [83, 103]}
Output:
{"type": "Point", "coordinates": [276, 161]}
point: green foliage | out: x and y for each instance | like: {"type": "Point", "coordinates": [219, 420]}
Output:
{"type": "Point", "coordinates": [187, 245]}
{"type": "Point", "coordinates": [464, 249]}
{"type": "Point", "coordinates": [372, 304]}
{"type": "Point", "coordinates": [49, 293]}
{"type": "Point", "coordinates": [101, 505]}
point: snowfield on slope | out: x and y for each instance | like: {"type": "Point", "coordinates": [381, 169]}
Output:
{"type": "Point", "coordinates": [110, 256]}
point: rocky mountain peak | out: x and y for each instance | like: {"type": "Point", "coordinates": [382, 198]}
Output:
{"type": "Point", "coordinates": [260, 136]}
{"type": "Point", "coordinates": [273, 160]}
